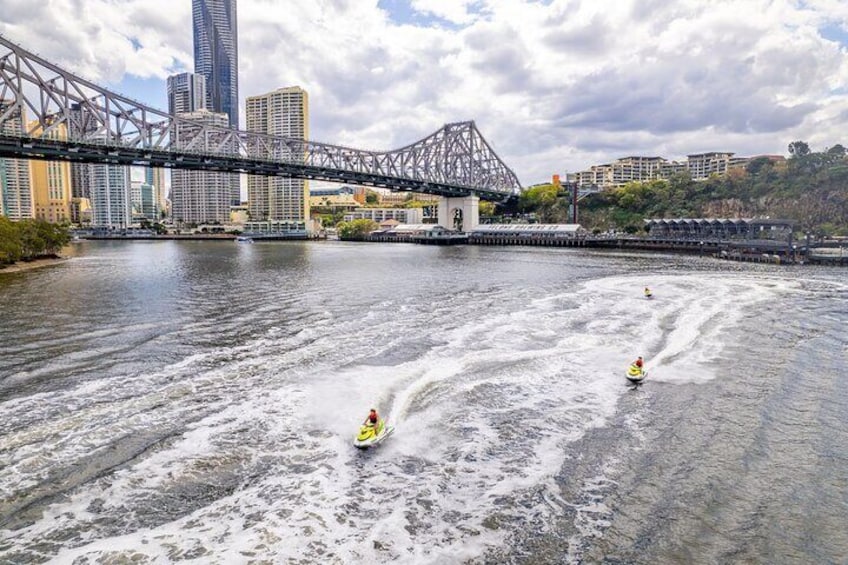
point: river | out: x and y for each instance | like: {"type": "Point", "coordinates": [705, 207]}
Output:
{"type": "Point", "coordinates": [197, 401]}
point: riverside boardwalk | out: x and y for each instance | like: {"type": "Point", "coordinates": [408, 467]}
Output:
{"type": "Point", "coordinates": [758, 241]}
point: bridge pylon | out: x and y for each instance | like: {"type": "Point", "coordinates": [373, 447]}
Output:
{"type": "Point", "coordinates": [459, 213]}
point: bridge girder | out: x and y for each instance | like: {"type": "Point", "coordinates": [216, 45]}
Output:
{"type": "Point", "coordinates": [47, 112]}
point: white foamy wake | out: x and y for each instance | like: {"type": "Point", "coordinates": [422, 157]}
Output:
{"type": "Point", "coordinates": [264, 469]}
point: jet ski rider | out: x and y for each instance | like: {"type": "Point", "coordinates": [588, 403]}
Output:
{"type": "Point", "coordinates": [638, 362]}
{"type": "Point", "coordinates": [372, 419]}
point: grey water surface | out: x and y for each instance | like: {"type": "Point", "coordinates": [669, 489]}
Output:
{"type": "Point", "coordinates": [197, 401]}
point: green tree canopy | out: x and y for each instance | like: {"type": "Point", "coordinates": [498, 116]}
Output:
{"type": "Point", "coordinates": [356, 229]}
{"type": "Point", "coordinates": [28, 239]}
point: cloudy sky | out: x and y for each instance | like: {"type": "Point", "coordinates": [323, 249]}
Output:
{"type": "Point", "coordinates": [554, 85]}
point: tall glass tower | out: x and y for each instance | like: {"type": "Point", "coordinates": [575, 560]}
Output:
{"type": "Point", "coordinates": [216, 54]}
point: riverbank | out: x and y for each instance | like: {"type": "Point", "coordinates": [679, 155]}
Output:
{"type": "Point", "coordinates": [34, 264]}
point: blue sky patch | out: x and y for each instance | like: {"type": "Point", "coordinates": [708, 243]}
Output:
{"type": "Point", "coordinates": [148, 91]}
{"type": "Point", "coordinates": [835, 32]}
{"type": "Point", "coordinates": [402, 12]}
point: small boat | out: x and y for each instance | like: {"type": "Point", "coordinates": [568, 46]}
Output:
{"type": "Point", "coordinates": [244, 239]}
{"type": "Point", "coordinates": [369, 434]}
{"type": "Point", "coordinates": [635, 374]}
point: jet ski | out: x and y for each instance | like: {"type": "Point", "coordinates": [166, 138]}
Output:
{"type": "Point", "coordinates": [635, 374]}
{"type": "Point", "coordinates": [369, 434]}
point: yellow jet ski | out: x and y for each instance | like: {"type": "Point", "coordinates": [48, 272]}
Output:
{"type": "Point", "coordinates": [369, 434]}
{"type": "Point", "coordinates": [636, 374]}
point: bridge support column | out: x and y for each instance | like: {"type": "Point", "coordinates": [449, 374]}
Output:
{"type": "Point", "coordinates": [459, 213]}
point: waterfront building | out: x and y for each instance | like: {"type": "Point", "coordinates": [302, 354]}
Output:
{"type": "Point", "coordinates": [51, 180]}
{"type": "Point", "coordinates": [186, 93]}
{"type": "Point", "coordinates": [283, 112]}
{"type": "Point", "coordinates": [110, 196]}
{"type": "Point", "coordinates": [271, 228]}
{"type": "Point", "coordinates": [15, 188]}
{"type": "Point", "coordinates": [199, 197]}
{"type": "Point", "coordinates": [216, 54]}
{"type": "Point", "coordinates": [379, 215]}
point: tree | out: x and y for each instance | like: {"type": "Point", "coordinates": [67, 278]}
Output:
{"type": "Point", "coordinates": [799, 148]}
{"type": "Point", "coordinates": [487, 208]}
{"type": "Point", "coordinates": [10, 241]}
{"type": "Point", "coordinates": [356, 229]}
{"type": "Point", "coordinates": [837, 151]}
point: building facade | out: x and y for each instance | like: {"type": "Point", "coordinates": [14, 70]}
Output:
{"type": "Point", "coordinates": [51, 181]}
{"type": "Point", "coordinates": [186, 93]}
{"type": "Point", "coordinates": [110, 196]}
{"type": "Point", "coordinates": [379, 215]}
{"type": "Point", "coordinates": [155, 177]}
{"type": "Point", "coordinates": [640, 169]}
{"type": "Point", "coordinates": [216, 54]}
{"type": "Point", "coordinates": [200, 197]}
{"type": "Point", "coordinates": [283, 112]}
{"type": "Point", "coordinates": [15, 188]}
{"type": "Point", "coordinates": [81, 125]}
{"type": "Point", "coordinates": [702, 165]}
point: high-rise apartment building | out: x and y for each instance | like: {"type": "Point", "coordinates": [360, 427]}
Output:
{"type": "Point", "coordinates": [199, 197]}
{"type": "Point", "coordinates": [283, 112]}
{"type": "Point", "coordinates": [15, 188]}
{"type": "Point", "coordinates": [110, 196]}
{"type": "Point", "coordinates": [51, 180]}
{"type": "Point", "coordinates": [155, 177]}
{"type": "Point", "coordinates": [186, 93]}
{"type": "Point", "coordinates": [81, 125]}
{"type": "Point", "coordinates": [216, 54]}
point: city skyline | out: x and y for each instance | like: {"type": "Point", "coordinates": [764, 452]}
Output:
{"type": "Point", "coordinates": [557, 87]}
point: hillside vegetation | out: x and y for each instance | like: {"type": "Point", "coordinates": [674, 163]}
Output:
{"type": "Point", "coordinates": [809, 187]}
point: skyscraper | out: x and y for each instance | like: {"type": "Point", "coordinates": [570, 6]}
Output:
{"type": "Point", "coordinates": [81, 125]}
{"type": "Point", "coordinates": [110, 195]}
{"type": "Point", "coordinates": [283, 112]}
{"type": "Point", "coordinates": [155, 177]}
{"type": "Point", "coordinates": [51, 180]}
{"type": "Point", "coordinates": [15, 188]}
{"type": "Point", "coordinates": [186, 93]}
{"type": "Point", "coordinates": [199, 197]}
{"type": "Point", "coordinates": [216, 54]}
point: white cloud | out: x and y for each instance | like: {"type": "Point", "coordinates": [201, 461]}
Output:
{"type": "Point", "coordinates": [554, 86]}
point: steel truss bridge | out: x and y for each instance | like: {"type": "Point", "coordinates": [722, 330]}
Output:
{"type": "Point", "coordinates": [49, 113]}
